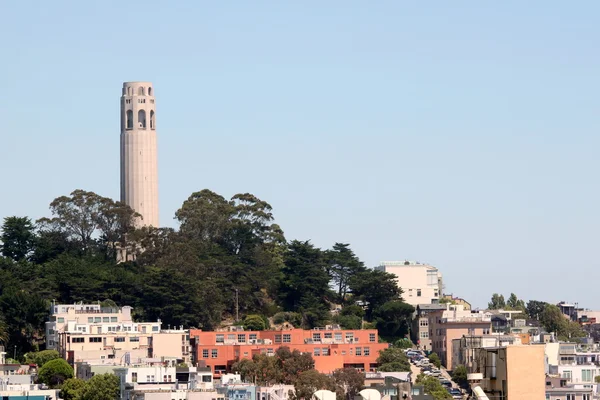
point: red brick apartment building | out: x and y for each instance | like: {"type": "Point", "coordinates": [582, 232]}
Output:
{"type": "Point", "coordinates": [330, 348]}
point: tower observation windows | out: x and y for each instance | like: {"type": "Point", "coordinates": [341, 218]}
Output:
{"type": "Point", "coordinates": [142, 119]}
{"type": "Point", "coordinates": [129, 119]}
{"type": "Point", "coordinates": [141, 91]}
{"type": "Point", "coordinates": [152, 121]}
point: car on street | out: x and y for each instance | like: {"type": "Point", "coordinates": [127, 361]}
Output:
{"type": "Point", "coordinates": [445, 382]}
{"type": "Point", "coordinates": [455, 393]}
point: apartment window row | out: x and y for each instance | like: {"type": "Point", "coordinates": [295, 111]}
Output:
{"type": "Point", "coordinates": [424, 335]}
{"type": "Point", "coordinates": [359, 351]}
{"type": "Point", "coordinates": [214, 353]}
{"type": "Point", "coordinates": [95, 320]}
{"type": "Point", "coordinates": [423, 322]}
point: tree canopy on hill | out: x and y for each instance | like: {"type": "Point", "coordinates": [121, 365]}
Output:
{"type": "Point", "coordinates": [187, 276]}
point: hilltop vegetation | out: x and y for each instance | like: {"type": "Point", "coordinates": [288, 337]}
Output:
{"type": "Point", "coordinates": [188, 276]}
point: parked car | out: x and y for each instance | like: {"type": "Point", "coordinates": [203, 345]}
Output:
{"type": "Point", "coordinates": [445, 382]}
{"type": "Point", "coordinates": [455, 393]}
{"type": "Point", "coordinates": [436, 372]}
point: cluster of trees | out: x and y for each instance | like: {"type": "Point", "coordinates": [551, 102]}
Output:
{"type": "Point", "coordinates": [295, 368]}
{"type": "Point", "coordinates": [548, 315]}
{"type": "Point", "coordinates": [227, 258]}
{"type": "Point", "coordinates": [433, 387]}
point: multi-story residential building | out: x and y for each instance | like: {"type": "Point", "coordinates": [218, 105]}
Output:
{"type": "Point", "coordinates": [510, 373]}
{"type": "Point", "coordinates": [421, 283]}
{"type": "Point", "coordinates": [330, 348]}
{"type": "Point", "coordinates": [420, 324]}
{"type": "Point", "coordinates": [17, 382]}
{"type": "Point", "coordinates": [166, 383]}
{"type": "Point", "coordinates": [97, 335]}
{"type": "Point", "coordinates": [463, 349]}
{"type": "Point", "coordinates": [450, 298]}
{"type": "Point", "coordinates": [559, 389]}
{"type": "Point", "coordinates": [454, 323]}
{"type": "Point", "coordinates": [575, 362]}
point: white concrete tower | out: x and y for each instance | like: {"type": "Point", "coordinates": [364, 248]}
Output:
{"type": "Point", "coordinates": [139, 164]}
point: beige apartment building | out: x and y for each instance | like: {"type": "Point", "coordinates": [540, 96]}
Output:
{"type": "Point", "coordinates": [454, 323]}
{"type": "Point", "coordinates": [510, 373]}
{"type": "Point", "coordinates": [421, 283]}
{"type": "Point", "coordinates": [99, 335]}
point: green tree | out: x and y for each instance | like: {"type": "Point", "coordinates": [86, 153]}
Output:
{"type": "Point", "coordinates": [552, 319]}
{"type": "Point", "coordinates": [403, 343]}
{"type": "Point", "coordinates": [435, 359]}
{"type": "Point", "coordinates": [393, 319]}
{"type": "Point", "coordinates": [514, 303]}
{"type": "Point", "coordinates": [25, 315]}
{"type": "Point", "coordinates": [309, 382]}
{"type": "Point", "coordinates": [254, 323]}
{"type": "Point", "coordinates": [343, 264]}
{"type": "Point", "coordinates": [535, 308]}
{"type": "Point", "coordinates": [305, 284]}
{"type": "Point", "coordinates": [349, 321]}
{"type": "Point", "coordinates": [393, 359]}
{"type": "Point", "coordinates": [17, 238]}
{"type": "Point", "coordinates": [101, 387]}
{"type": "Point", "coordinates": [362, 285]}
{"type": "Point", "coordinates": [497, 302]}
{"type": "Point", "coordinates": [72, 389]}
{"type": "Point", "coordinates": [55, 372]}
{"type": "Point", "coordinates": [348, 382]}
{"type": "Point", "coordinates": [459, 374]}
{"type": "Point", "coordinates": [41, 357]}
{"type": "Point", "coordinates": [433, 387]}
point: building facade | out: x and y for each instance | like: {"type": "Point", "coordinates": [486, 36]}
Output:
{"type": "Point", "coordinates": [139, 160]}
{"type": "Point", "coordinates": [100, 335]}
{"type": "Point", "coordinates": [510, 373]}
{"type": "Point", "coordinates": [421, 283]}
{"type": "Point", "coordinates": [420, 324]}
{"type": "Point", "coordinates": [330, 348]}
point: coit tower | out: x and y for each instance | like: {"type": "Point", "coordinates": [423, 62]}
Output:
{"type": "Point", "coordinates": [139, 166]}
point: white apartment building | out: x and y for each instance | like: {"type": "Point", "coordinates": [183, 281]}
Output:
{"type": "Point", "coordinates": [96, 335]}
{"type": "Point", "coordinates": [421, 283]}
{"type": "Point", "coordinates": [145, 382]}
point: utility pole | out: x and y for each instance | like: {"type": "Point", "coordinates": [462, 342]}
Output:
{"type": "Point", "coordinates": [237, 306]}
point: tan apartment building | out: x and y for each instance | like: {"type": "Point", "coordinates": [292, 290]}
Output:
{"type": "Point", "coordinates": [454, 323]}
{"type": "Point", "coordinates": [510, 373]}
{"type": "Point", "coordinates": [421, 283]}
{"type": "Point", "coordinates": [420, 324]}
{"type": "Point", "coordinates": [103, 335]}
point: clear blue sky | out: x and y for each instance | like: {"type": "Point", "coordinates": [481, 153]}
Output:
{"type": "Point", "coordinates": [463, 134]}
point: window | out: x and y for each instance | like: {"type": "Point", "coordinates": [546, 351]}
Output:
{"type": "Point", "coordinates": [287, 338]}
{"type": "Point", "coordinates": [50, 331]}
{"type": "Point", "coordinates": [566, 375]}
{"type": "Point", "coordinates": [78, 340]}
{"type": "Point", "coordinates": [206, 378]}
{"type": "Point", "coordinates": [149, 378]}
{"type": "Point", "coordinates": [113, 319]}
{"type": "Point", "coordinates": [270, 352]}
{"type": "Point", "coordinates": [61, 320]}
{"type": "Point", "coordinates": [325, 351]}
{"type": "Point", "coordinates": [97, 320]}
{"type": "Point", "coordinates": [586, 396]}
{"type": "Point", "coordinates": [317, 337]}
{"type": "Point", "coordinates": [418, 292]}
{"type": "Point", "coordinates": [142, 119]}
{"type": "Point", "coordinates": [204, 353]}
{"type": "Point", "coordinates": [90, 320]}
{"type": "Point", "coordinates": [105, 319]}
{"type": "Point", "coordinates": [134, 339]}
{"type": "Point", "coordinates": [134, 377]}
{"type": "Point", "coordinates": [349, 336]}
{"type": "Point", "coordinates": [95, 340]}
{"type": "Point", "coordinates": [252, 336]}
{"type": "Point", "coordinates": [155, 328]}
{"type": "Point", "coordinates": [367, 351]}
{"type": "Point", "coordinates": [220, 338]}
{"type": "Point", "coordinates": [214, 353]}
{"type": "Point", "coordinates": [277, 338]}
{"type": "Point", "coordinates": [119, 339]}
{"type": "Point", "coordinates": [409, 292]}
{"type": "Point", "coordinates": [241, 338]}
{"type": "Point", "coordinates": [358, 351]}
{"type": "Point", "coordinates": [316, 351]}
{"type": "Point", "coordinates": [141, 91]}
{"type": "Point", "coordinates": [423, 322]}
{"type": "Point", "coordinates": [152, 118]}
{"type": "Point", "coordinates": [424, 335]}
{"type": "Point", "coordinates": [338, 336]}
{"type": "Point", "coordinates": [570, 396]}
{"type": "Point", "coordinates": [149, 91]}
{"type": "Point", "coordinates": [231, 336]}
{"type": "Point", "coordinates": [372, 337]}
{"type": "Point", "coordinates": [586, 375]}
{"type": "Point", "coordinates": [328, 335]}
